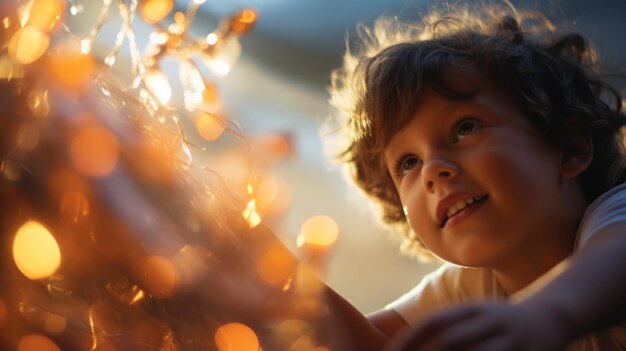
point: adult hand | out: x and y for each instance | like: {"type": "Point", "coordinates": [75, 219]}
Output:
{"type": "Point", "coordinates": [488, 326]}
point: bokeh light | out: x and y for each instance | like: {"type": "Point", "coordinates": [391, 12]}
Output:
{"type": "Point", "coordinates": [268, 191]}
{"type": "Point", "coordinates": [294, 334]}
{"type": "Point", "coordinates": [274, 145]}
{"type": "Point", "coordinates": [236, 337]}
{"type": "Point", "coordinates": [35, 251]}
{"type": "Point", "coordinates": [243, 21]}
{"type": "Point", "coordinates": [94, 151]}
{"type": "Point", "coordinates": [275, 265]}
{"type": "Point", "coordinates": [69, 65]}
{"type": "Point", "coordinates": [211, 96]}
{"type": "Point", "coordinates": [74, 207]}
{"type": "Point", "coordinates": [37, 342]}
{"type": "Point", "coordinates": [159, 277]}
{"type": "Point", "coordinates": [10, 69]}
{"type": "Point", "coordinates": [54, 324]}
{"type": "Point", "coordinates": [209, 127]}
{"type": "Point", "coordinates": [158, 84]}
{"type": "Point", "coordinates": [46, 14]}
{"type": "Point", "coordinates": [38, 103]}
{"type": "Point", "coordinates": [153, 11]}
{"type": "Point", "coordinates": [274, 196]}
{"type": "Point", "coordinates": [221, 62]}
{"type": "Point", "coordinates": [320, 231]}
{"type": "Point", "coordinates": [28, 44]}
{"type": "Point", "coordinates": [251, 215]}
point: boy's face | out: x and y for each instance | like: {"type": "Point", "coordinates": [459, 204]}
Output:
{"type": "Point", "coordinates": [478, 185]}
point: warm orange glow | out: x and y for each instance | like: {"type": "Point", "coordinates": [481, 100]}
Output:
{"type": "Point", "coordinates": [208, 127]}
{"type": "Point", "coordinates": [74, 207]}
{"type": "Point", "coordinates": [3, 311]}
{"type": "Point", "coordinates": [319, 231]}
{"type": "Point", "coordinates": [28, 44]}
{"type": "Point", "coordinates": [38, 103]}
{"type": "Point", "coordinates": [10, 69]}
{"type": "Point", "coordinates": [46, 14]}
{"type": "Point", "coordinates": [274, 145]}
{"type": "Point", "coordinates": [35, 251]}
{"type": "Point", "coordinates": [292, 332]}
{"type": "Point", "coordinates": [158, 84]}
{"type": "Point", "coordinates": [274, 196]}
{"type": "Point", "coordinates": [69, 66]}
{"type": "Point", "coordinates": [210, 95]}
{"type": "Point", "coordinates": [138, 297]}
{"type": "Point", "coordinates": [223, 60]}
{"type": "Point", "coordinates": [54, 324]}
{"type": "Point", "coordinates": [236, 337]}
{"type": "Point", "coordinates": [275, 265]}
{"type": "Point", "coordinates": [37, 342]}
{"type": "Point", "coordinates": [159, 277]}
{"type": "Point", "coordinates": [179, 18]}
{"type": "Point", "coordinates": [153, 11]}
{"type": "Point", "coordinates": [250, 214]}
{"type": "Point", "coordinates": [62, 181]}
{"type": "Point", "coordinates": [268, 190]}
{"type": "Point", "coordinates": [243, 21]}
{"type": "Point", "coordinates": [28, 135]}
{"type": "Point", "coordinates": [212, 38]}
{"type": "Point", "coordinates": [95, 151]}
{"type": "Point", "coordinates": [233, 165]}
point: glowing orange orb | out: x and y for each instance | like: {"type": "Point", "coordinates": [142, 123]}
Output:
{"type": "Point", "coordinates": [28, 44]}
{"type": "Point", "coordinates": [35, 251]}
{"type": "Point", "coordinates": [37, 342]}
{"type": "Point", "coordinates": [94, 151]}
{"type": "Point", "coordinates": [208, 127]}
{"type": "Point", "coordinates": [46, 14]}
{"type": "Point", "coordinates": [236, 336]}
{"type": "Point", "coordinates": [243, 21]}
{"type": "Point", "coordinates": [319, 231]}
{"type": "Point", "coordinates": [159, 277]}
{"type": "Point", "coordinates": [153, 11]}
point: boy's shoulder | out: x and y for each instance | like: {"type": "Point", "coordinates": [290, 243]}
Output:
{"type": "Point", "coordinates": [603, 214]}
{"type": "Point", "coordinates": [445, 287]}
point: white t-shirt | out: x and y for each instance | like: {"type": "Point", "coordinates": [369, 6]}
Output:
{"type": "Point", "coordinates": [451, 285]}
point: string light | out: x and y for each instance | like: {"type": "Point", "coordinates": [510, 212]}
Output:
{"type": "Point", "coordinates": [136, 251]}
{"type": "Point", "coordinates": [219, 51]}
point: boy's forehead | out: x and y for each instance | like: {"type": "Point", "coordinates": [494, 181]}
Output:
{"type": "Point", "coordinates": [464, 80]}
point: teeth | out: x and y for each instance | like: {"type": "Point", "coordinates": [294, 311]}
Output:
{"type": "Point", "coordinates": [461, 204]}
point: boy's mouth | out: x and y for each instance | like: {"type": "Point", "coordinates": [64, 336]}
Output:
{"type": "Point", "coordinates": [458, 206]}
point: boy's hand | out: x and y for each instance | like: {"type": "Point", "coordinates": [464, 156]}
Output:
{"type": "Point", "coordinates": [486, 327]}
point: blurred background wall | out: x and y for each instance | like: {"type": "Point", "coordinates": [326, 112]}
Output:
{"type": "Point", "coordinates": [279, 87]}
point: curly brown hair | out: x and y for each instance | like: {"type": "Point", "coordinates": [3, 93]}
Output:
{"type": "Point", "coordinates": [551, 76]}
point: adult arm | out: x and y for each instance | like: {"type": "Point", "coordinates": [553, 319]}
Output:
{"type": "Point", "coordinates": [585, 297]}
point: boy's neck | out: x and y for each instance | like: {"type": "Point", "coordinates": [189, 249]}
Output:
{"type": "Point", "coordinates": [519, 274]}
{"type": "Point", "coordinates": [558, 242]}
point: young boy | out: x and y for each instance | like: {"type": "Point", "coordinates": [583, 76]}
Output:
{"type": "Point", "coordinates": [498, 149]}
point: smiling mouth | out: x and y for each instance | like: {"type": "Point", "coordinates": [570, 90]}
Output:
{"type": "Point", "coordinates": [460, 206]}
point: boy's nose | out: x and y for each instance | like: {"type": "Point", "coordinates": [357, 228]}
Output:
{"type": "Point", "coordinates": [436, 171]}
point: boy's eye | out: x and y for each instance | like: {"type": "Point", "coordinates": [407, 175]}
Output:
{"type": "Point", "coordinates": [405, 164]}
{"type": "Point", "coordinates": [463, 128]}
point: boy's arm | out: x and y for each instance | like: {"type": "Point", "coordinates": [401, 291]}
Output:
{"type": "Point", "coordinates": [587, 296]}
{"type": "Point", "coordinates": [388, 321]}
{"type": "Point", "coordinates": [336, 322]}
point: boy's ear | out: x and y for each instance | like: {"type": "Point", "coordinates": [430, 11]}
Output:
{"type": "Point", "coordinates": [577, 149]}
